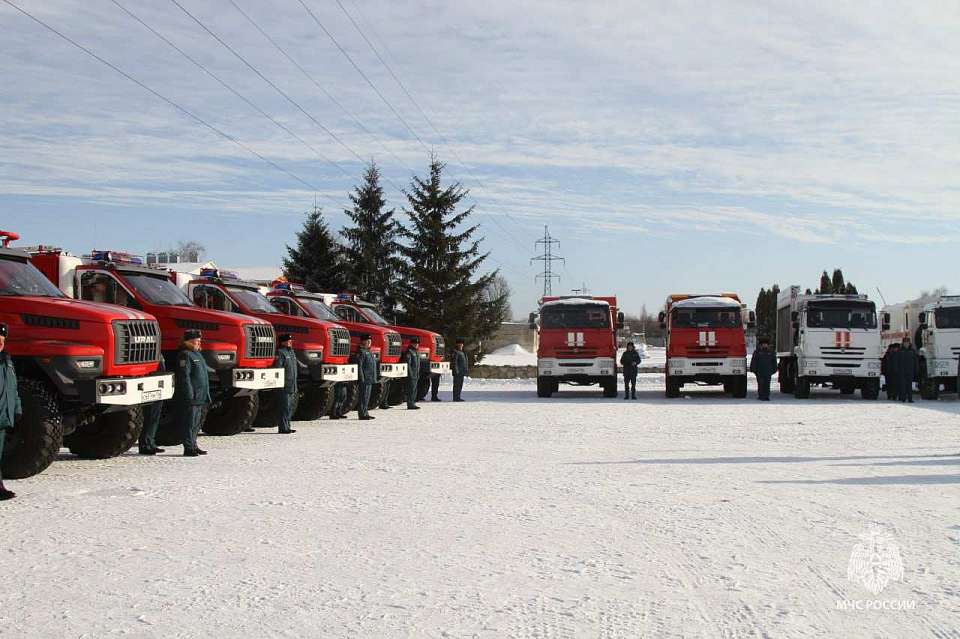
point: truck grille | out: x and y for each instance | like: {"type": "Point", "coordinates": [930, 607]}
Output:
{"type": "Point", "coordinates": [438, 346]}
{"type": "Point", "coordinates": [260, 341]}
{"type": "Point", "coordinates": [138, 341]}
{"type": "Point", "coordinates": [707, 351]}
{"type": "Point", "coordinates": [339, 342]}
{"type": "Point", "coordinates": [853, 353]}
{"type": "Point", "coordinates": [576, 352]}
{"type": "Point", "coordinates": [394, 344]}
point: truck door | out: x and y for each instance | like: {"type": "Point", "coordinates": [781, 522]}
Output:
{"type": "Point", "coordinates": [212, 297]}
{"type": "Point", "coordinates": [103, 287]}
{"type": "Point", "coordinates": [348, 314]}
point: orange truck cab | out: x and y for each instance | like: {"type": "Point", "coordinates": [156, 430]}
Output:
{"type": "Point", "coordinates": [294, 300]}
{"type": "Point", "coordinates": [83, 369]}
{"type": "Point", "coordinates": [322, 347]}
{"type": "Point", "coordinates": [239, 349]}
{"type": "Point", "coordinates": [706, 342]}
{"type": "Point", "coordinates": [576, 342]}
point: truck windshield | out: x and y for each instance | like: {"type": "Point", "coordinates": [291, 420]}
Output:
{"type": "Point", "coordinates": [841, 314]}
{"type": "Point", "coordinates": [374, 316]}
{"type": "Point", "coordinates": [948, 317]}
{"type": "Point", "coordinates": [319, 310]}
{"type": "Point", "coordinates": [23, 278]}
{"type": "Point", "coordinates": [157, 290]}
{"type": "Point", "coordinates": [586, 316]}
{"type": "Point", "coordinates": [706, 318]}
{"type": "Point", "coordinates": [254, 300]}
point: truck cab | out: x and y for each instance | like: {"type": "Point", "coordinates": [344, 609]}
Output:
{"type": "Point", "coordinates": [239, 349]}
{"type": "Point", "coordinates": [294, 300]}
{"type": "Point", "coordinates": [577, 343]}
{"type": "Point", "coordinates": [706, 342]}
{"type": "Point", "coordinates": [83, 369]}
{"type": "Point", "coordinates": [322, 347]}
{"type": "Point", "coordinates": [828, 340]}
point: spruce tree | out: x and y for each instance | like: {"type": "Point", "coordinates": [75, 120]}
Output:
{"type": "Point", "coordinates": [442, 288]}
{"type": "Point", "coordinates": [317, 260]}
{"type": "Point", "coordinates": [371, 248]}
{"type": "Point", "coordinates": [837, 284]}
{"type": "Point", "coordinates": [826, 284]}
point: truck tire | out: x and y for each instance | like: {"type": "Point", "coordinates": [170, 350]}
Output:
{"type": "Point", "coordinates": [673, 388]}
{"type": "Point", "coordinates": [313, 403]}
{"type": "Point", "coordinates": [544, 387]}
{"type": "Point", "coordinates": [35, 440]}
{"type": "Point", "coordinates": [423, 387]}
{"type": "Point", "coordinates": [786, 377]}
{"type": "Point", "coordinates": [398, 392]}
{"type": "Point", "coordinates": [610, 387]}
{"type": "Point", "coordinates": [929, 387]}
{"type": "Point", "coordinates": [268, 412]}
{"type": "Point", "coordinates": [353, 396]}
{"type": "Point", "coordinates": [111, 434]}
{"type": "Point", "coordinates": [738, 387]}
{"type": "Point", "coordinates": [801, 388]}
{"type": "Point", "coordinates": [376, 395]}
{"type": "Point", "coordinates": [870, 389]}
{"type": "Point", "coordinates": [233, 415]}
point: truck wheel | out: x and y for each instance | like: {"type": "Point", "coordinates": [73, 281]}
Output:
{"type": "Point", "coordinates": [785, 377]}
{"type": "Point", "coordinates": [739, 388]}
{"type": "Point", "coordinates": [353, 396]}
{"type": "Point", "coordinates": [35, 440]}
{"type": "Point", "coordinates": [168, 432]}
{"type": "Point", "coordinates": [313, 403]}
{"type": "Point", "coordinates": [871, 389]}
{"type": "Point", "coordinates": [376, 395]}
{"type": "Point", "coordinates": [544, 387]}
{"type": "Point", "coordinates": [397, 393]}
{"type": "Point", "coordinates": [268, 412]}
{"type": "Point", "coordinates": [802, 388]}
{"type": "Point", "coordinates": [610, 388]}
{"type": "Point", "coordinates": [233, 415]}
{"type": "Point", "coordinates": [423, 387]}
{"type": "Point", "coordinates": [111, 434]}
{"type": "Point", "coordinates": [673, 388]}
{"type": "Point", "coordinates": [929, 387]}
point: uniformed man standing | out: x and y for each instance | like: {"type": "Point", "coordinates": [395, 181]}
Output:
{"type": "Point", "coordinates": [435, 387]}
{"type": "Point", "coordinates": [287, 359]}
{"type": "Point", "coordinates": [151, 421]}
{"type": "Point", "coordinates": [763, 364]}
{"type": "Point", "coordinates": [192, 390]}
{"type": "Point", "coordinates": [630, 363]}
{"type": "Point", "coordinates": [366, 376]}
{"type": "Point", "coordinates": [459, 369]}
{"type": "Point", "coordinates": [411, 357]}
{"type": "Point", "coordinates": [891, 372]}
{"type": "Point", "coordinates": [908, 361]}
{"type": "Point", "coordinates": [9, 402]}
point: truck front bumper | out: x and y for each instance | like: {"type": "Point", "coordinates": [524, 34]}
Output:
{"type": "Point", "coordinates": [393, 370]}
{"type": "Point", "coordinates": [439, 368]}
{"type": "Point", "coordinates": [131, 391]}
{"type": "Point", "coordinates": [706, 368]}
{"type": "Point", "coordinates": [576, 368]}
{"type": "Point", "coordinates": [942, 368]}
{"type": "Point", "coordinates": [339, 373]}
{"type": "Point", "coordinates": [818, 369]}
{"type": "Point", "coordinates": [257, 378]}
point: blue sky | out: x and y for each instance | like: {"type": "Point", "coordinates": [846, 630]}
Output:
{"type": "Point", "coordinates": [671, 147]}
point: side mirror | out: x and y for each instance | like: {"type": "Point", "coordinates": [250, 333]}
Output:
{"type": "Point", "coordinates": [620, 319]}
{"type": "Point", "coordinates": [662, 318]}
{"type": "Point", "coordinates": [923, 319]}
{"type": "Point", "coordinates": [532, 321]}
{"type": "Point", "coordinates": [751, 320]}
{"type": "Point", "coordinates": [794, 317]}
{"type": "Point", "coordinates": [885, 322]}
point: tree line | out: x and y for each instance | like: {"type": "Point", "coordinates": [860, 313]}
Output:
{"type": "Point", "coordinates": [426, 270]}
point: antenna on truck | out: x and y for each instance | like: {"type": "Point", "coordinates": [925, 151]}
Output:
{"type": "Point", "coordinates": [881, 296]}
{"type": "Point", "coordinates": [547, 258]}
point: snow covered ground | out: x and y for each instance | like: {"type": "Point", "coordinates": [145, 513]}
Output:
{"type": "Point", "coordinates": [509, 516]}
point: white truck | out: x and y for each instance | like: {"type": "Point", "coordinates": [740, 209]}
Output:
{"type": "Point", "coordinates": [830, 340]}
{"type": "Point", "coordinates": [934, 326]}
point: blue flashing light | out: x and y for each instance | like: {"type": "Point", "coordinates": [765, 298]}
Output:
{"type": "Point", "coordinates": [210, 273]}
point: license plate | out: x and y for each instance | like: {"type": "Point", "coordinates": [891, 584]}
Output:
{"type": "Point", "coordinates": [708, 370]}
{"type": "Point", "coordinates": [150, 396]}
{"type": "Point", "coordinates": [576, 370]}
{"type": "Point", "coordinates": [843, 371]}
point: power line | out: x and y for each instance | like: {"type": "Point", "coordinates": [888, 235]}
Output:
{"type": "Point", "coordinates": [159, 95]}
{"type": "Point", "coordinates": [222, 83]}
{"type": "Point", "coordinates": [323, 89]}
{"type": "Point", "coordinates": [548, 258]}
{"type": "Point", "coordinates": [362, 74]}
{"type": "Point", "coordinates": [406, 92]}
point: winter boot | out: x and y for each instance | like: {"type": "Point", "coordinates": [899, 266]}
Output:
{"type": "Point", "coordinates": [6, 494]}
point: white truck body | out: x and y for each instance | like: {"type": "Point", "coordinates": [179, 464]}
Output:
{"type": "Point", "coordinates": [934, 326]}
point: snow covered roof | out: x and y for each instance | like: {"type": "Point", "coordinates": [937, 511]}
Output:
{"type": "Point", "coordinates": [707, 301]}
{"type": "Point", "coordinates": [575, 301]}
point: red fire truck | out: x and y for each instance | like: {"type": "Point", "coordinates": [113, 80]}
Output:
{"type": "Point", "coordinates": [577, 343]}
{"type": "Point", "coordinates": [706, 342]}
{"type": "Point", "coordinates": [239, 349]}
{"type": "Point", "coordinates": [351, 308]}
{"type": "Point", "coordinates": [322, 347]}
{"type": "Point", "coordinates": [83, 369]}
{"type": "Point", "coordinates": [295, 300]}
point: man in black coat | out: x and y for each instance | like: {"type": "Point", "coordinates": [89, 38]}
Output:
{"type": "Point", "coordinates": [630, 363]}
{"type": "Point", "coordinates": [763, 364]}
{"type": "Point", "coordinates": [891, 371]}
{"type": "Point", "coordinates": [287, 360]}
{"type": "Point", "coordinates": [908, 361]}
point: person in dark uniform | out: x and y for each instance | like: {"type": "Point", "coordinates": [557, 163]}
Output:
{"type": "Point", "coordinates": [366, 376]}
{"type": "Point", "coordinates": [435, 387]}
{"type": "Point", "coordinates": [763, 364]}
{"type": "Point", "coordinates": [10, 408]}
{"type": "Point", "coordinates": [459, 369]}
{"type": "Point", "coordinates": [411, 357]}
{"type": "Point", "coordinates": [908, 362]}
{"type": "Point", "coordinates": [630, 362]}
{"type": "Point", "coordinates": [287, 359]}
{"type": "Point", "coordinates": [339, 410]}
{"type": "Point", "coordinates": [891, 371]}
{"type": "Point", "coordinates": [192, 390]}
{"type": "Point", "coordinates": [151, 421]}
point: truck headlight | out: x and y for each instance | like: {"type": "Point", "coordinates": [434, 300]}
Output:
{"type": "Point", "coordinates": [224, 357]}
{"type": "Point", "coordinates": [86, 363]}
{"type": "Point", "coordinates": [314, 354]}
